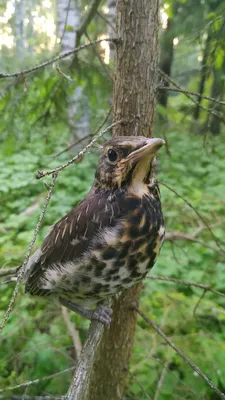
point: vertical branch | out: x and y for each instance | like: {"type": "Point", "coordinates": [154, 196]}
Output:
{"type": "Point", "coordinates": [19, 28]}
{"type": "Point", "coordinates": [104, 363]}
{"type": "Point", "coordinates": [23, 267]}
{"type": "Point", "coordinates": [134, 99]}
{"type": "Point", "coordinates": [111, 25]}
{"type": "Point", "coordinates": [217, 91]}
{"type": "Point", "coordinates": [73, 332]}
{"type": "Point", "coordinates": [203, 74]}
{"type": "Point", "coordinates": [136, 66]}
{"type": "Point", "coordinates": [166, 59]}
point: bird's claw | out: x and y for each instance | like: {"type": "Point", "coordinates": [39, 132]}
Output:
{"type": "Point", "coordinates": [103, 314]}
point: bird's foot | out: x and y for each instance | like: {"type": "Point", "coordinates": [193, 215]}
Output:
{"type": "Point", "coordinates": [101, 313]}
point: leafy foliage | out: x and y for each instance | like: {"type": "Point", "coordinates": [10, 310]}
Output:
{"type": "Point", "coordinates": [34, 129]}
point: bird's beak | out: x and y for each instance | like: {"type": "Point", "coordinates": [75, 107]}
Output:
{"type": "Point", "coordinates": [150, 148]}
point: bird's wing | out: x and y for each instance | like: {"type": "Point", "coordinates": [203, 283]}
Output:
{"type": "Point", "coordinates": [72, 236]}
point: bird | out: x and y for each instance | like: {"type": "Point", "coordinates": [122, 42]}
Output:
{"type": "Point", "coordinates": [110, 240]}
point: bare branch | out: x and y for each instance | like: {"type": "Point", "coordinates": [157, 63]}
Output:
{"type": "Point", "coordinates": [27, 397]}
{"type": "Point", "coordinates": [176, 235]}
{"type": "Point", "coordinates": [87, 136]}
{"type": "Point", "coordinates": [41, 174]}
{"type": "Point", "coordinates": [64, 28]}
{"type": "Point", "coordinates": [160, 382]}
{"type": "Point", "coordinates": [198, 302]}
{"type": "Point", "coordinates": [73, 332]}
{"type": "Point", "coordinates": [36, 381]}
{"type": "Point", "coordinates": [209, 110]}
{"type": "Point", "coordinates": [88, 18]}
{"type": "Point", "coordinates": [139, 384]}
{"type": "Point", "coordinates": [104, 66]}
{"type": "Point", "coordinates": [197, 213]}
{"type": "Point", "coordinates": [178, 351]}
{"type": "Point", "coordinates": [85, 364]}
{"type": "Point", "coordinates": [55, 59]}
{"type": "Point", "coordinates": [106, 20]}
{"type": "Point", "coordinates": [202, 227]}
{"type": "Point", "coordinates": [187, 283]}
{"type": "Point", "coordinates": [185, 91]}
{"type": "Point", "coordinates": [22, 269]}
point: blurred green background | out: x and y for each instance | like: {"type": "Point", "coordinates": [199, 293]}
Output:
{"type": "Point", "coordinates": [44, 113]}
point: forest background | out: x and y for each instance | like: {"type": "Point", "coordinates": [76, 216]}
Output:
{"type": "Point", "coordinates": [45, 119]}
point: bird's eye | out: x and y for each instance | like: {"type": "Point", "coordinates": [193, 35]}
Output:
{"type": "Point", "coordinates": [112, 155]}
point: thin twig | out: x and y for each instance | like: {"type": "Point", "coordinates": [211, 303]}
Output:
{"type": "Point", "coordinates": [196, 212]}
{"type": "Point", "coordinates": [22, 269]}
{"type": "Point", "coordinates": [27, 397]}
{"type": "Point", "coordinates": [11, 271]}
{"type": "Point", "coordinates": [88, 18]}
{"type": "Point", "coordinates": [106, 20]}
{"type": "Point", "coordinates": [41, 174]}
{"type": "Point", "coordinates": [65, 24]}
{"type": "Point", "coordinates": [198, 302]}
{"type": "Point", "coordinates": [187, 283]}
{"type": "Point", "coordinates": [87, 136]}
{"type": "Point", "coordinates": [35, 381]}
{"type": "Point", "coordinates": [160, 382]}
{"type": "Point", "coordinates": [176, 235]}
{"type": "Point", "coordinates": [73, 332]}
{"type": "Point", "coordinates": [139, 384]}
{"type": "Point", "coordinates": [178, 351]}
{"type": "Point", "coordinates": [104, 66]}
{"type": "Point", "coordinates": [55, 59]}
{"type": "Point", "coordinates": [202, 227]}
{"type": "Point", "coordinates": [185, 91]}
{"type": "Point", "coordinates": [190, 97]}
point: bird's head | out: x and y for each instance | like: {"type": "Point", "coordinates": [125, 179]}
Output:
{"type": "Point", "coordinates": [126, 161]}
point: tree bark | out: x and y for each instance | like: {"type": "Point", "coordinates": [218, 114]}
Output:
{"type": "Point", "coordinates": [19, 28]}
{"type": "Point", "coordinates": [166, 59]}
{"type": "Point", "coordinates": [134, 100]}
{"type": "Point", "coordinates": [111, 26]}
{"type": "Point", "coordinates": [136, 66]}
{"type": "Point", "coordinates": [217, 92]}
{"type": "Point", "coordinates": [203, 74]}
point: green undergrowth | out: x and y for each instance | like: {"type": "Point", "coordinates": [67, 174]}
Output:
{"type": "Point", "coordinates": [35, 342]}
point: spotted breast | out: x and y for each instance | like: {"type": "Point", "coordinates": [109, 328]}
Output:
{"type": "Point", "coordinates": [116, 247]}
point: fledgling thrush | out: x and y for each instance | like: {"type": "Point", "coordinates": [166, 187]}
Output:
{"type": "Point", "coordinates": [111, 239]}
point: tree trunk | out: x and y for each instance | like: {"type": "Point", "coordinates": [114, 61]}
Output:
{"type": "Point", "coordinates": [68, 22]}
{"type": "Point", "coordinates": [134, 100]}
{"type": "Point", "coordinates": [111, 27]}
{"type": "Point", "coordinates": [217, 92]}
{"type": "Point", "coordinates": [166, 59]}
{"type": "Point", "coordinates": [136, 66]}
{"type": "Point", "coordinates": [30, 28]}
{"type": "Point", "coordinates": [19, 28]}
{"type": "Point", "coordinates": [203, 74]}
